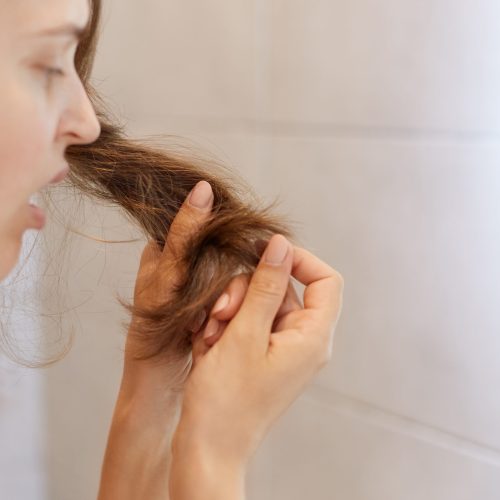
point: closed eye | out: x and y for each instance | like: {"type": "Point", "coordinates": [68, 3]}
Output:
{"type": "Point", "coordinates": [50, 71]}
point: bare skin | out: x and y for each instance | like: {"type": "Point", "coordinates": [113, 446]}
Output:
{"type": "Point", "coordinates": [43, 110]}
{"type": "Point", "coordinates": [247, 380]}
{"type": "Point", "coordinates": [146, 410]}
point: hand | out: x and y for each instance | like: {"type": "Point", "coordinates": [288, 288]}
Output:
{"type": "Point", "coordinates": [236, 291]}
{"type": "Point", "coordinates": [145, 413]}
{"type": "Point", "coordinates": [253, 373]}
{"type": "Point", "coordinates": [159, 271]}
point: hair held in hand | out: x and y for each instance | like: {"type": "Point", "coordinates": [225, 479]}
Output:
{"type": "Point", "coordinates": [150, 184]}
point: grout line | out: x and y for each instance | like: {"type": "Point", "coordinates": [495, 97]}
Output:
{"type": "Point", "coordinates": [380, 417]}
{"type": "Point", "coordinates": [262, 30]}
{"type": "Point", "coordinates": [322, 129]}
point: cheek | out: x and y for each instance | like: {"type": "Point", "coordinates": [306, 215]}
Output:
{"type": "Point", "coordinates": [26, 141]}
{"type": "Point", "coordinates": [26, 147]}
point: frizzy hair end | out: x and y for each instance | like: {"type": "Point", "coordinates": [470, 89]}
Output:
{"type": "Point", "coordinates": [150, 183]}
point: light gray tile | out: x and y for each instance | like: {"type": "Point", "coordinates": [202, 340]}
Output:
{"type": "Point", "coordinates": [22, 426]}
{"type": "Point", "coordinates": [390, 64]}
{"type": "Point", "coordinates": [173, 58]}
{"type": "Point", "coordinates": [243, 153]}
{"type": "Point", "coordinates": [415, 231]}
{"type": "Point", "coordinates": [316, 452]}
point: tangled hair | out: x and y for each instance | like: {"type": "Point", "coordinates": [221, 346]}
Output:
{"type": "Point", "coordinates": [150, 184]}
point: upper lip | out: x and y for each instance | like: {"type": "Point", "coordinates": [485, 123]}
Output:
{"type": "Point", "coordinates": [60, 176]}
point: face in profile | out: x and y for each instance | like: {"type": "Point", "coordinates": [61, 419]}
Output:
{"type": "Point", "coordinates": [43, 108]}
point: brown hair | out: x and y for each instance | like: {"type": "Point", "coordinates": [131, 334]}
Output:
{"type": "Point", "coordinates": [150, 183]}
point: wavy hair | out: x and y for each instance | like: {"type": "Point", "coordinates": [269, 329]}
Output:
{"type": "Point", "coordinates": [150, 183]}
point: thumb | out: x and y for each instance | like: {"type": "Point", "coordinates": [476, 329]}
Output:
{"type": "Point", "coordinates": [266, 289]}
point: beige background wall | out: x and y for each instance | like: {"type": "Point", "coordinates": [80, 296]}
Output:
{"type": "Point", "coordinates": [378, 123]}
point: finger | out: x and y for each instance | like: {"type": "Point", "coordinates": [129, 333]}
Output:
{"type": "Point", "coordinates": [201, 346]}
{"type": "Point", "coordinates": [285, 318]}
{"type": "Point", "coordinates": [198, 322]}
{"type": "Point", "coordinates": [227, 304]}
{"type": "Point", "coordinates": [150, 256]}
{"type": "Point", "coordinates": [266, 292]}
{"type": "Point", "coordinates": [291, 302]}
{"type": "Point", "coordinates": [189, 219]}
{"type": "Point", "coordinates": [150, 253]}
{"type": "Point", "coordinates": [324, 285]}
{"type": "Point", "coordinates": [235, 292]}
{"type": "Point", "coordinates": [216, 335]}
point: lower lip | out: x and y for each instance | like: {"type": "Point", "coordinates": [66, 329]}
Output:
{"type": "Point", "coordinates": [37, 217]}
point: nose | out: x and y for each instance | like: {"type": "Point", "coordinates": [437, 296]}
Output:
{"type": "Point", "coordinates": [79, 123]}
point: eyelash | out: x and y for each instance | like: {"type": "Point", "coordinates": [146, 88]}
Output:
{"type": "Point", "coordinates": [52, 72]}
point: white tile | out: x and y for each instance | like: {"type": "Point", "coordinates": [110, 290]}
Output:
{"type": "Point", "coordinates": [185, 58]}
{"type": "Point", "coordinates": [22, 423]}
{"type": "Point", "coordinates": [414, 229]}
{"type": "Point", "coordinates": [315, 451]}
{"type": "Point", "coordinates": [414, 65]}
{"type": "Point", "coordinates": [243, 153]}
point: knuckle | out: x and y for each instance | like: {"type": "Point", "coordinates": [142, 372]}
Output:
{"type": "Point", "coordinates": [242, 279]}
{"type": "Point", "coordinates": [182, 229]}
{"type": "Point", "coordinates": [267, 287]}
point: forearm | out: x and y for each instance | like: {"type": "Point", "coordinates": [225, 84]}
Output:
{"type": "Point", "coordinates": [197, 474]}
{"type": "Point", "coordinates": [138, 452]}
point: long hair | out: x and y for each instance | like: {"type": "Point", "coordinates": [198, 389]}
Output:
{"type": "Point", "coordinates": [150, 183]}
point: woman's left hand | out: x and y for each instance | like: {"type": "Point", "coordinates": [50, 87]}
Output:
{"type": "Point", "coordinates": [150, 394]}
{"type": "Point", "coordinates": [236, 291]}
{"type": "Point", "coordinates": [158, 273]}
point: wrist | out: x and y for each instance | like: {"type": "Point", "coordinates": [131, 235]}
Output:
{"type": "Point", "coordinates": [232, 442]}
{"type": "Point", "coordinates": [142, 426]}
{"type": "Point", "coordinates": [199, 472]}
{"type": "Point", "coordinates": [149, 393]}
{"type": "Point", "coordinates": [137, 458]}
{"type": "Point", "coordinates": [187, 442]}
{"type": "Point", "coordinates": [136, 415]}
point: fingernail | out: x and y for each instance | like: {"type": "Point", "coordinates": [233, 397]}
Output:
{"type": "Point", "coordinates": [201, 195]}
{"type": "Point", "coordinates": [211, 328]}
{"type": "Point", "coordinates": [221, 303]}
{"type": "Point", "coordinates": [277, 250]}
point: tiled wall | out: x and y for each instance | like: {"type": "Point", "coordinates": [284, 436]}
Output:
{"type": "Point", "coordinates": [23, 434]}
{"type": "Point", "coordinates": [378, 124]}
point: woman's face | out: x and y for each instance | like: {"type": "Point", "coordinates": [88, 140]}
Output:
{"type": "Point", "coordinates": [42, 112]}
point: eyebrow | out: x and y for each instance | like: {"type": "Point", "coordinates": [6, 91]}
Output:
{"type": "Point", "coordinates": [69, 29]}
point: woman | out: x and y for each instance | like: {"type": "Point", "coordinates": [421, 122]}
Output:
{"type": "Point", "coordinates": [259, 346]}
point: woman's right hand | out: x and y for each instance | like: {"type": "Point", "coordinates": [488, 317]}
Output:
{"type": "Point", "coordinates": [254, 372]}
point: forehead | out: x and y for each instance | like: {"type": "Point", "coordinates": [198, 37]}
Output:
{"type": "Point", "coordinates": [27, 16]}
